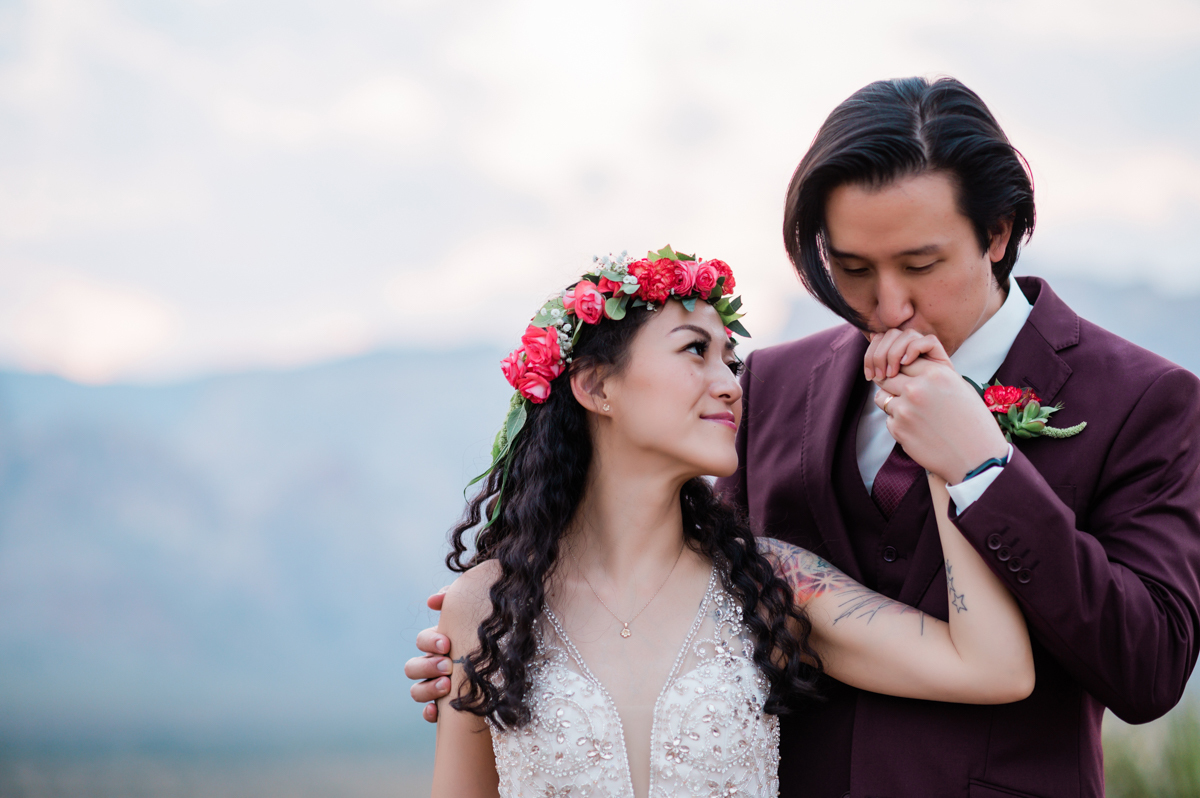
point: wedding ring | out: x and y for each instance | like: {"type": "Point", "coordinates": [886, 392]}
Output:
{"type": "Point", "coordinates": [891, 396]}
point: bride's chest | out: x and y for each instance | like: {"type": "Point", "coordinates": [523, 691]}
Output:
{"type": "Point", "coordinates": [700, 733]}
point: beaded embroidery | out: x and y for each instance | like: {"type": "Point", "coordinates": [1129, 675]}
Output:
{"type": "Point", "coordinates": [709, 736]}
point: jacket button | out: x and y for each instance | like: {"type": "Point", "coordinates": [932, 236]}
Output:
{"type": "Point", "coordinates": [889, 554]}
{"type": "Point", "coordinates": [1014, 564]}
{"type": "Point", "coordinates": [1024, 576]}
{"type": "Point", "coordinates": [994, 542]}
{"type": "Point", "coordinates": [1003, 554]}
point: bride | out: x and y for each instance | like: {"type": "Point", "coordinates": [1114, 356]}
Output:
{"type": "Point", "coordinates": [619, 630]}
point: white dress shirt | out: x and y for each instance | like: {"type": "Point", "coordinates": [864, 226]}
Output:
{"type": "Point", "coordinates": [979, 357]}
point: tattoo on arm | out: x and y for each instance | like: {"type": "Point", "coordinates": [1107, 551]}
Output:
{"type": "Point", "coordinates": [957, 600]}
{"type": "Point", "coordinates": [810, 576]}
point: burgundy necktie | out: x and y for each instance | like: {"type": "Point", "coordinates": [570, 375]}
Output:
{"type": "Point", "coordinates": [898, 474]}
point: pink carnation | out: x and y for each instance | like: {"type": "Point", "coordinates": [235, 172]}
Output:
{"type": "Point", "coordinates": [654, 279]}
{"type": "Point", "coordinates": [723, 270]}
{"type": "Point", "coordinates": [586, 300]}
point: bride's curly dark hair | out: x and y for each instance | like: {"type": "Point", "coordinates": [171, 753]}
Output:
{"type": "Point", "coordinates": [546, 481]}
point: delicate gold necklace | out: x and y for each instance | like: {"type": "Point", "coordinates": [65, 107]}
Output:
{"type": "Point", "coordinates": [625, 631]}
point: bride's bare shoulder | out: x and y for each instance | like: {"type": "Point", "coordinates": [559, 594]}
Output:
{"type": "Point", "coordinates": [467, 601]}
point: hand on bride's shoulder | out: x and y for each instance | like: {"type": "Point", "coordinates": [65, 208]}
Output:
{"type": "Point", "coordinates": [467, 603]}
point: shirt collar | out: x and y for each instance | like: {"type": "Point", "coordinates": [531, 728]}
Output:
{"type": "Point", "coordinates": [982, 354]}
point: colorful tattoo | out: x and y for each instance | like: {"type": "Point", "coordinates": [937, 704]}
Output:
{"type": "Point", "coordinates": [810, 576]}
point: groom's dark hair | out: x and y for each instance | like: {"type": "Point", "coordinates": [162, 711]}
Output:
{"type": "Point", "coordinates": [892, 129]}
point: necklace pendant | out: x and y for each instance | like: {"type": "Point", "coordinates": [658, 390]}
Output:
{"type": "Point", "coordinates": [625, 632]}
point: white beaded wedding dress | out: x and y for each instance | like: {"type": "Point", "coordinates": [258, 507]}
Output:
{"type": "Point", "coordinates": [709, 736]}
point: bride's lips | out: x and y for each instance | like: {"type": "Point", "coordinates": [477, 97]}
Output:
{"type": "Point", "coordinates": [722, 418]}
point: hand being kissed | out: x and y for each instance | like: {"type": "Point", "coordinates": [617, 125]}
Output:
{"type": "Point", "coordinates": [932, 411]}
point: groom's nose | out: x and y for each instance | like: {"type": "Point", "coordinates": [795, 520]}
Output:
{"type": "Point", "coordinates": [893, 300]}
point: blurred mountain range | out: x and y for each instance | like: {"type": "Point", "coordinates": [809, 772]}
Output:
{"type": "Point", "coordinates": [241, 560]}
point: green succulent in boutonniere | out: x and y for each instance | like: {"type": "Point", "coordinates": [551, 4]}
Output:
{"type": "Point", "coordinates": [1021, 414]}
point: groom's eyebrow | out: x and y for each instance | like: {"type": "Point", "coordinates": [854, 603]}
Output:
{"type": "Point", "coordinates": [928, 249]}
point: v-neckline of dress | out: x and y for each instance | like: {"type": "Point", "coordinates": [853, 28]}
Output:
{"type": "Point", "coordinates": [671, 678]}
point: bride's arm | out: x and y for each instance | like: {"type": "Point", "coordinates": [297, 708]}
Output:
{"type": "Point", "coordinates": [982, 656]}
{"type": "Point", "coordinates": [464, 764]}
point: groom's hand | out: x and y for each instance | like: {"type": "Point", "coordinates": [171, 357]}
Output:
{"type": "Point", "coordinates": [433, 668]}
{"type": "Point", "coordinates": [933, 412]}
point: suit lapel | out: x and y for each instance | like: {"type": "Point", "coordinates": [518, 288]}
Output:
{"type": "Point", "coordinates": [828, 392]}
{"type": "Point", "coordinates": [1033, 360]}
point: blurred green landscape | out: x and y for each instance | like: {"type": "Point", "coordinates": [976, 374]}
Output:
{"type": "Point", "coordinates": [209, 588]}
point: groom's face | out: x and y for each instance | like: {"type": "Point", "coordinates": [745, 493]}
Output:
{"type": "Point", "coordinates": [905, 257]}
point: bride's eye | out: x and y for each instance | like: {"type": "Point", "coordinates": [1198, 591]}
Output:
{"type": "Point", "coordinates": [699, 346]}
{"type": "Point", "coordinates": [736, 366]}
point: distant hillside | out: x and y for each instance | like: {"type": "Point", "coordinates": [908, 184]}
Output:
{"type": "Point", "coordinates": [242, 560]}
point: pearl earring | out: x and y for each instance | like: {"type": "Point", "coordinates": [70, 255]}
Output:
{"type": "Point", "coordinates": [606, 407]}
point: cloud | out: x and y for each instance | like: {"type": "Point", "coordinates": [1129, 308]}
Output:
{"type": "Point", "coordinates": [285, 176]}
{"type": "Point", "coordinates": [90, 332]}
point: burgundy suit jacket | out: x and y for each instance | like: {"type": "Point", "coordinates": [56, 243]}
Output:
{"type": "Point", "coordinates": [1098, 537]}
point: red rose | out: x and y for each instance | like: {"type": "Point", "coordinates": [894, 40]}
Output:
{"type": "Point", "coordinates": [999, 398]}
{"type": "Point", "coordinates": [534, 387]}
{"type": "Point", "coordinates": [586, 300]}
{"type": "Point", "coordinates": [547, 370]}
{"type": "Point", "coordinates": [542, 349]}
{"type": "Point", "coordinates": [513, 366]}
{"type": "Point", "coordinates": [611, 288]}
{"type": "Point", "coordinates": [706, 278]}
{"type": "Point", "coordinates": [683, 277]}
{"type": "Point", "coordinates": [723, 270]}
{"type": "Point", "coordinates": [654, 279]}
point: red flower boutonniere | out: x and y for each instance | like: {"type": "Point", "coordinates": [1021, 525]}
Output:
{"type": "Point", "coordinates": [1020, 412]}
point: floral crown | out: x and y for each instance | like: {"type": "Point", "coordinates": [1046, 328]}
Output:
{"type": "Point", "coordinates": [608, 291]}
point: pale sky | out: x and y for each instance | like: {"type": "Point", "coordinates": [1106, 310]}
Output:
{"type": "Point", "coordinates": [189, 186]}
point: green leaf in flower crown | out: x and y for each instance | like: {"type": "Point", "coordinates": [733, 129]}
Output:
{"type": "Point", "coordinates": [614, 307]}
{"type": "Point", "coordinates": [614, 276]}
{"type": "Point", "coordinates": [681, 256]}
{"type": "Point", "coordinates": [735, 326]}
{"type": "Point", "coordinates": [714, 294]}
{"type": "Point", "coordinates": [543, 317]}
{"type": "Point", "coordinates": [665, 252]}
{"type": "Point", "coordinates": [690, 304]}
{"type": "Point", "coordinates": [594, 279]}
{"type": "Point", "coordinates": [516, 420]}
{"type": "Point", "coordinates": [722, 306]}
{"type": "Point", "coordinates": [630, 288]}
{"type": "Point", "coordinates": [734, 303]}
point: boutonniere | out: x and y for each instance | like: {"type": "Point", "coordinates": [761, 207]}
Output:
{"type": "Point", "coordinates": [1020, 413]}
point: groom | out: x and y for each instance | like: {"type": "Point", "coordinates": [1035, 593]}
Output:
{"type": "Point", "coordinates": [905, 218]}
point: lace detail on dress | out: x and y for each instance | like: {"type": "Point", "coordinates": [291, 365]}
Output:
{"type": "Point", "coordinates": [709, 739]}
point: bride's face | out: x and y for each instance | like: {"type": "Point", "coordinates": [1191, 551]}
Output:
{"type": "Point", "coordinates": [678, 397]}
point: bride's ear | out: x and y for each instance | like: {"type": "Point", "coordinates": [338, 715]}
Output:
{"type": "Point", "coordinates": [587, 384]}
